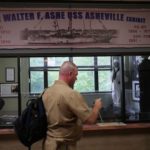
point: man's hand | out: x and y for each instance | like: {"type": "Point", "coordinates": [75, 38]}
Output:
{"type": "Point", "coordinates": [98, 104]}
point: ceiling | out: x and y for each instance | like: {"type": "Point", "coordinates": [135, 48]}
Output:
{"type": "Point", "coordinates": [78, 0]}
{"type": "Point", "coordinates": [138, 3]}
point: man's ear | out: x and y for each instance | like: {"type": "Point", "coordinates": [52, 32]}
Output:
{"type": "Point", "coordinates": [70, 73]}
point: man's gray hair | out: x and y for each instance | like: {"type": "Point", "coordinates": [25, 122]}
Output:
{"type": "Point", "coordinates": [67, 67]}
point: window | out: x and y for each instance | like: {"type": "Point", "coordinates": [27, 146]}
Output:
{"type": "Point", "coordinates": [37, 81]}
{"type": "Point", "coordinates": [104, 73]}
{"type": "Point", "coordinates": [94, 80]}
{"type": "Point", "coordinates": [104, 78]}
{"type": "Point", "coordinates": [94, 73]}
{"type": "Point", "coordinates": [85, 82]}
{"type": "Point", "coordinates": [137, 85]}
{"type": "Point", "coordinates": [37, 62]}
{"type": "Point", "coordinates": [56, 61]}
{"type": "Point", "coordinates": [52, 66]}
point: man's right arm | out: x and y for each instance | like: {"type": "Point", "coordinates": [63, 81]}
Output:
{"type": "Point", "coordinates": [95, 112]}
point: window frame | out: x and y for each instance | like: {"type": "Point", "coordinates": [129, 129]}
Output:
{"type": "Point", "coordinates": [95, 68]}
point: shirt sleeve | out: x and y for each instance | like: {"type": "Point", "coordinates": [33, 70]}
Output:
{"type": "Point", "coordinates": [78, 106]}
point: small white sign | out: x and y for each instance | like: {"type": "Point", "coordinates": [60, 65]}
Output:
{"type": "Point", "coordinates": [135, 90]}
{"type": "Point", "coordinates": [9, 90]}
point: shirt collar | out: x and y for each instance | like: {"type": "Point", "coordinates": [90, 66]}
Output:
{"type": "Point", "coordinates": [61, 82]}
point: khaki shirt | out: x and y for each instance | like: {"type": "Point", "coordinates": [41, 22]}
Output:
{"type": "Point", "coordinates": [66, 110]}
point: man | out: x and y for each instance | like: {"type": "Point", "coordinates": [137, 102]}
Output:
{"type": "Point", "coordinates": [144, 82]}
{"type": "Point", "coordinates": [66, 111]}
{"type": "Point", "coordinates": [2, 103]}
{"type": "Point", "coordinates": [116, 87]}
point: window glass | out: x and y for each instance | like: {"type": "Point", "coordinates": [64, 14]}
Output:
{"type": "Point", "coordinates": [36, 61]}
{"type": "Point", "coordinates": [85, 81]}
{"type": "Point", "coordinates": [37, 81]}
{"type": "Point", "coordinates": [52, 76]}
{"type": "Point", "coordinates": [84, 64]}
{"type": "Point", "coordinates": [137, 82]}
{"type": "Point", "coordinates": [104, 61]}
{"type": "Point", "coordinates": [94, 80]}
{"type": "Point", "coordinates": [104, 78]}
{"type": "Point", "coordinates": [56, 61]}
{"type": "Point", "coordinates": [131, 77]}
{"type": "Point", "coordinates": [84, 61]}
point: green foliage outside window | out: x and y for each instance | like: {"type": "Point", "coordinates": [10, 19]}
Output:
{"type": "Point", "coordinates": [84, 61]}
{"type": "Point", "coordinates": [37, 81]}
{"type": "Point", "coordinates": [52, 76]}
{"type": "Point", "coordinates": [86, 74]}
{"type": "Point", "coordinates": [104, 61]}
{"type": "Point", "coordinates": [85, 81]}
{"type": "Point", "coordinates": [56, 61]}
{"type": "Point", "coordinates": [36, 62]}
{"type": "Point", "coordinates": [104, 80]}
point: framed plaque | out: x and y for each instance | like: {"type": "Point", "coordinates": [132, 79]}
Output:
{"type": "Point", "coordinates": [10, 74]}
